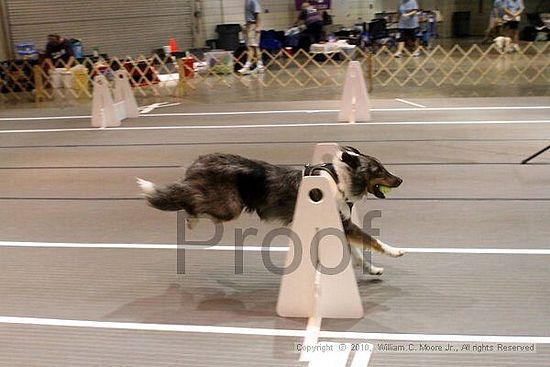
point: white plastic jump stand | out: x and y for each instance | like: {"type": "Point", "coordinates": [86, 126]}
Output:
{"type": "Point", "coordinates": [307, 292]}
{"type": "Point", "coordinates": [354, 105]}
{"type": "Point", "coordinates": [107, 112]}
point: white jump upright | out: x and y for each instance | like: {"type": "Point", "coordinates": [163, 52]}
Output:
{"type": "Point", "coordinates": [355, 104]}
{"type": "Point", "coordinates": [308, 291]}
{"type": "Point", "coordinates": [107, 112]}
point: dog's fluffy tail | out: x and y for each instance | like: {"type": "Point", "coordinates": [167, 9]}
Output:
{"type": "Point", "coordinates": [172, 197]}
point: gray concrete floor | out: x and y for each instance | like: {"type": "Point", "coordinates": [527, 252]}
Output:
{"type": "Point", "coordinates": [463, 188]}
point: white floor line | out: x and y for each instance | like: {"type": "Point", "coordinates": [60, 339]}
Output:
{"type": "Point", "coordinates": [230, 113]}
{"type": "Point", "coordinates": [136, 246]}
{"type": "Point", "coordinates": [45, 118]}
{"type": "Point", "coordinates": [333, 357]}
{"type": "Point", "coordinates": [410, 103]}
{"type": "Point", "coordinates": [311, 337]}
{"type": "Point", "coordinates": [271, 126]}
{"type": "Point", "coordinates": [469, 108]}
{"type": "Point", "coordinates": [145, 246]}
{"type": "Point", "coordinates": [209, 329]}
{"type": "Point", "coordinates": [495, 251]}
{"type": "Point", "coordinates": [362, 356]}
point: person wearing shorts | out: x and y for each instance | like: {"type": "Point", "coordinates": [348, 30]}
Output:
{"type": "Point", "coordinates": [408, 25]}
{"type": "Point", "coordinates": [252, 31]}
{"type": "Point", "coordinates": [512, 17]}
{"type": "Point", "coordinates": [495, 20]}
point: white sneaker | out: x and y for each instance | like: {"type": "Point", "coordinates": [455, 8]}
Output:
{"type": "Point", "coordinates": [260, 68]}
{"type": "Point", "coordinates": [246, 69]}
{"type": "Point", "coordinates": [416, 53]}
{"type": "Point", "coordinates": [398, 55]}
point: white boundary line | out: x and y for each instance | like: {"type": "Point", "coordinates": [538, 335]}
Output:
{"type": "Point", "coordinates": [311, 337]}
{"type": "Point", "coordinates": [332, 357]}
{"type": "Point", "coordinates": [394, 109]}
{"type": "Point", "coordinates": [45, 118]}
{"type": "Point", "coordinates": [268, 112]}
{"type": "Point", "coordinates": [492, 251]}
{"type": "Point", "coordinates": [362, 356]}
{"type": "Point", "coordinates": [264, 126]}
{"type": "Point", "coordinates": [207, 329]}
{"type": "Point", "coordinates": [138, 246]}
{"type": "Point", "coordinates": [410, 103]}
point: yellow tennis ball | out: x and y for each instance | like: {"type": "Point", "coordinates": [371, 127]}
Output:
{"type": "Point", "coordinates": [385, 189]}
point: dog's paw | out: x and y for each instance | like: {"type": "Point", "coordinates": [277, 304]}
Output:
{"type": "Point", "coordinates": [393, 251]}
{"type": "Point", "coordinates": [390, 251]}
{"type": "Point", "coordinates": [374, 270]}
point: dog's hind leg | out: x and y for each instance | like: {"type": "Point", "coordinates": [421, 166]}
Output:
{"type": "Point", "coordinates": [359, 260]}
{"type": "Point", "coordinates": [220, 204]}
{"type": "Point", "coordinates": [356, 237]}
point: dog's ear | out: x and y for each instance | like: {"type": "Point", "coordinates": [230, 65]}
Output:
{"type": "Point", "coordinates": [351, 159]}
{"type": "Point", "coordinates": [351, 149]}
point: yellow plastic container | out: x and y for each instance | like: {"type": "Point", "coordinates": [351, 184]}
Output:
{"type": "Point", "coordinates": [81, 81]}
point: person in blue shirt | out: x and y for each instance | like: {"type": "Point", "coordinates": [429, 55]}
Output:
{"type": "Point", "coordinates": [252, 31]}
{"type": "Point", "coordinates": [495, 20]}
{"type": "Point", "coordinates": [408, 25]}
{"type": "Point", "coordinates": [512, 16]}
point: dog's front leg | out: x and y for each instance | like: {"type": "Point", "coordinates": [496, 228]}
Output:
{"type": "Point", "coordinates": [358, 255]}
{"type": "Point", "coordinates": [356, 237]}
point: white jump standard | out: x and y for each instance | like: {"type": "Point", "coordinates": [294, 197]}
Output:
{"type": "Point", "coordinates": [354, 105]}
{"type": "Point", "coordinates": [107, 112]}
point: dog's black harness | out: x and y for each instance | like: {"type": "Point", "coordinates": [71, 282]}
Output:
{"type": "Point", "coordinates": [310, 170]}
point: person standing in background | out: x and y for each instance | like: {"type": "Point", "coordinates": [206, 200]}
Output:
{"type": "Point", "coordinates": [512, 16]}
{"type": "Point", "coordinates": [313, 21]}
{"type": "Point", "coordinates": [495, 20]}
{"type": "Point", "coordinates": [408, 25]}
{"type": "Point", "coordinates": [252, 31]}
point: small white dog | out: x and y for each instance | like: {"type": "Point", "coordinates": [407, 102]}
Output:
{"type": "Point", "coordinates": [503, 44]}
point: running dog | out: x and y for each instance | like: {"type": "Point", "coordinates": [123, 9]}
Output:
{"type": "Point", "coordinates": [221, 186]}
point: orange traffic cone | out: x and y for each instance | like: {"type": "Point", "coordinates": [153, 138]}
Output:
{"type": "Point", "coordinates": [173, 45]}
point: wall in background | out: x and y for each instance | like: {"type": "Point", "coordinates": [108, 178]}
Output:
{"type": "Point", "coordinates": [480, 12]}
{"type": "Point", "coordinates": [446, 7]}
{"type": "Point", "coordinates": [281, 14]}
{"type": "Point", "coordinates": [4, 43]}
{"type": "Point", "coordinates": [139, 28]}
